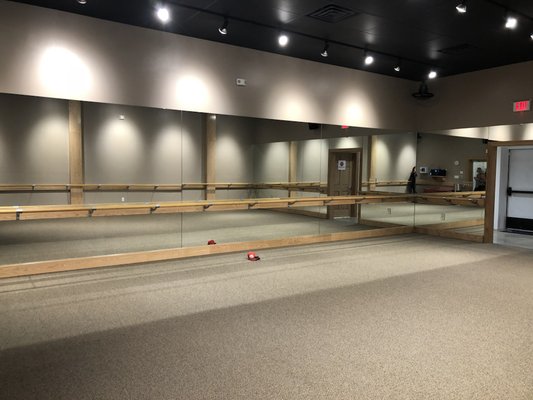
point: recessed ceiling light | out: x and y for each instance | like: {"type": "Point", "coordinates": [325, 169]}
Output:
{"type": "Point", "coordinates": [397, 68]}
{"type": "Point", "coordinates": [163, 14]}
{"type": "Point", "coordinates": [531, 36]}
{"type": "Point", "coordinates": [82, 1]}
{"type": "Point", "coordinates": [511, 22]}
{"type": "Point", "coordinates": [432, 74]}
{"type": "Point", "coordinates": [461, 7]}
{"type": "Point", "coordinates": [283, 40]}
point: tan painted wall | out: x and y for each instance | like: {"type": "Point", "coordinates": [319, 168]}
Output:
{"type": "Point", "coordinates": [483, 98]}
{"type": "Point", "coordinates": [55, 54]}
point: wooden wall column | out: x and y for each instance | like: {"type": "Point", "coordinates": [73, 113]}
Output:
{"type": "Point", "coordinates": [293, 161]}
{"type": "Point", "coordinates": [210, 156]}
{"type": "Point", "coordinates": [75, 152]}
{"type": "Point", "coordinates": [372, 162]}
{"type": "Point", "coordinates": [490, 194]}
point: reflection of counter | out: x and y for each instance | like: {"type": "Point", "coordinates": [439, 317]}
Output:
{"type": "Point", "coordinates": [442, 185]}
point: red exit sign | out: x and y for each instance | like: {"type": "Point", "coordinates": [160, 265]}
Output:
{"type": "Point", "coordinates": [524, 105]}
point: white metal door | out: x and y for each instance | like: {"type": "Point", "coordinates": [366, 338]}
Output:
{"type": "Point", "coordinates": [520, 190]}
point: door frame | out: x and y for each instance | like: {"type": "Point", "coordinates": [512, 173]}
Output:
{"type": "Point", "coordinates": [490, 192]}
{"type": "Point", "coordinates": [357, 175]}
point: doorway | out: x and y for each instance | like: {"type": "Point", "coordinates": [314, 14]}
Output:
{"type": "Point", "coordinates": [478, 173]}
{"type": "Point", "coordinates": [344, 179]}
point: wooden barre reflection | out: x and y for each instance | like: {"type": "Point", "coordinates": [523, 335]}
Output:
{"type": "Point", "coordinates": [150, 187]}
{"type": "Point", "coordinates": [453, 198]}
{"type": "Point", "coordinates": [112, 209]}
{"type": "Point", "coordinates": [10, 213]}
{"type": "Point", "coordinates": [320, 187]}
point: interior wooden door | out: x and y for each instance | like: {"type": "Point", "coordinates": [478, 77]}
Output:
{"type": "Point", "coordinates": [343, 180]}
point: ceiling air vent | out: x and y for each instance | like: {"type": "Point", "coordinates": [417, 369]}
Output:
{"type": "Point", "coordinates": [332, 13]}
{"type": "Point", "coordinates": [458, 50]}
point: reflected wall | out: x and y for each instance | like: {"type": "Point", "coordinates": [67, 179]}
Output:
{"type": "Point", "coordinates": [130, 153]}
{"type": "Point", "coordinates": [451, 167]}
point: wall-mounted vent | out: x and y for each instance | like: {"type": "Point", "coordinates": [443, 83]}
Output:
{"type": "Point", "coordinates": [458, 50]}
{"type": "Point", "coordinates": [332, 13]}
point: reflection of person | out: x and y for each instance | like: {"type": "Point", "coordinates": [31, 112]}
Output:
{"type": "Point", "coordinates": [411, 182]}
{"type": "Point", "coordinates": [480, 179]}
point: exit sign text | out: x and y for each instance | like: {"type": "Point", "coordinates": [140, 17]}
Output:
{"type": "Point", "coordinates": [524, 105]}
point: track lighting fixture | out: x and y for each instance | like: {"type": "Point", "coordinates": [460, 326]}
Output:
{"type": "Point", "coordinates": [368, 59]}
{"type": "Point", "coordinates": [461, 7]}
{"type": "Point", "coordinates": [432, 74]}
{"type": "Point", "coordinates": [223, 30]}
{"type": "Point", "coordinates": [163, 14]}
{"type": "Point", "coordinates": [325, 51]}
{"type": "Point", "coordinates": [283, 40]}
{"type": "Point", "coordinates": [398, 65]}
{"type": "Point", "coordinates": [511, 22]}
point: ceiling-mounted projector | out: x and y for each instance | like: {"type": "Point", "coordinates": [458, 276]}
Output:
{"type": "Point", "coordinates": [423, 92]}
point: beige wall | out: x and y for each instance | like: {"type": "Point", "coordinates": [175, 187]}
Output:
{"type": "Point", "coordinates": [452, 153]}
{"type": "Point", "coordinates": [33, 147]}
{"type": "Point", "coordinates": [54, 54]}
{"type": "Point", "coordinates": [483, 98]}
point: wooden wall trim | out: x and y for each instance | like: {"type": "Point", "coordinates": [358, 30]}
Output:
{"type": "Point", "coordinates": [210, 155]}
{"type": "Point", "coordinates": [71, 264]}
{"type": "Point", "coordinates": [75, 143]}
{"type": "Point", "coordinates": [488, 236]}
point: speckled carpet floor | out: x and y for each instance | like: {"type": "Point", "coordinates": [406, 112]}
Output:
{"type": "Point", "coordinates": [410, 317]}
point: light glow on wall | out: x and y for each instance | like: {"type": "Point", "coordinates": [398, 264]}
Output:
{"type": "Point", "coordinates": [46, 150]}
{"type": "Point", "coordinates": [120, 149]}
{"type": "Point", "coordinates": [355, 108]}
{"type": "Point", "coordinates": [192, 93]}
{"type": "Point", "coordinates": [230, 159]}
{"type": "Point", "coordinates": [511, 132]}
{"type": "Point", "coordinates": [291, 103]}
{"type": "Point", "coordinates": [166, 154]}
{"type": "Point", "coordinates": [64, 73]}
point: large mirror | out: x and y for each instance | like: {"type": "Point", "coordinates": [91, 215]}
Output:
{"type": "Point", "coordinates": [451, 182]}
{"type": "Point", "coordinates": [302, 176]}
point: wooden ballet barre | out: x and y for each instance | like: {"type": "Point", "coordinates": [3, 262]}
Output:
{"type": "Point", "coordinates": [158, 187]}
{"type": "Point", "coordinates": [117, 209]}
{"type": "Point", "coordinates": [385, 183]}
{"type": "Point", "coordinates": [451, 200]}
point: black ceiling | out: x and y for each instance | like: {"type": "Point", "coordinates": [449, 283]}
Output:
{"type": "Point", "coordinates": [423, 34]}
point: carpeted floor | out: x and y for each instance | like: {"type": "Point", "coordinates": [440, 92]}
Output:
{"type": "Point", "coordinates": [410, 317]}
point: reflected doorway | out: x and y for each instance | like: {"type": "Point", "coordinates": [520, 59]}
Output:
{"type": "Point", "coordinates": [478, 174]}
{"type": "Point", "coordinates": [344, 179]}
